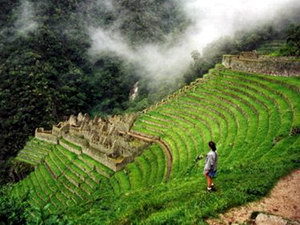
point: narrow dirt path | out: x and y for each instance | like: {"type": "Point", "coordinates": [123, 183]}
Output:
{"type": "Point", "coordinates": [284, 201]}
{"type": "Point", "coordinates": [165, 147]}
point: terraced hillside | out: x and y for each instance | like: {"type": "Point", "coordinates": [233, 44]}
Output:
{"type": "Point", "coordinates": [254, 119]}
{"type": "Point", "coordinates": [247, 115]}
{"type": "Point", "coordinates": [270, 46]}
{"type": "Point", "coordinates": [61, 177]}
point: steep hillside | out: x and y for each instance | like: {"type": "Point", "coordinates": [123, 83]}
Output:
{"type": "Point", "coordinates": [253, 118]}
{"type": "Point", "coordinates": [47, 70]}
{"type": "Point", "coordinates": [270, 46]}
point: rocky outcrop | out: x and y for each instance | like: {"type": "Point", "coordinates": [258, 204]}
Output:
{"type": "Point", "coordinates": [104, 139]}
{"type": "Point", "coordinates": [266, 219]}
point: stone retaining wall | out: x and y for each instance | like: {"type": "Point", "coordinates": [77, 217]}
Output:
{"type": "Point", "coordinates": [47, 136]}
{"type": "Point", "coordinates": [77, 141]}
{"type": "Point", "coordinates": [66, 146]}
{"type": "Point", "coordinates": [104, 139]}
{"type": "Point", "coordinates": [254, 63]}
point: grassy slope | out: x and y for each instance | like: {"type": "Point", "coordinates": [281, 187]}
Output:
{"type": "Point", "coordinates": [249, 116]}
{"type": "Point", "coordinates": [253, 117]}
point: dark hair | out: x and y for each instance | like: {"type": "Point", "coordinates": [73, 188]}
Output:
{"type": "Point", "coordinates": [212, 145]}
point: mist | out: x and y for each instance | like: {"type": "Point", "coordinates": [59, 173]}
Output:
{"type": "Point", "coordinates": [25, 22]}
{"type": "Point", "coordinates": [210, 20]}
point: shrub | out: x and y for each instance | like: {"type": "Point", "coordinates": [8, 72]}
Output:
{"type": "Point", "coordinates": [12, 209]}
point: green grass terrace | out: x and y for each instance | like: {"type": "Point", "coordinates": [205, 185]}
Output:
{"type": "Point", "coordinates": [253, 118]}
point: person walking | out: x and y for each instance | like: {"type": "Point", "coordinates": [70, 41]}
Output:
{"type": "Point", "coordinates": [210, 167]}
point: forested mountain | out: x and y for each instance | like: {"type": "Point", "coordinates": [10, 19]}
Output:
{"type": "Point", "coordinates": [45, 69]}
{"type": "Point", "coordinates": [62, 57]}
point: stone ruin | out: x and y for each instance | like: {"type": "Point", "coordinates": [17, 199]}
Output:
{"type": "Point", "coordinates": [255, 63]}
{"type": "Point", "coordinates": [104, 139]}
{"type": "Point", "coordinates": [248, 55]}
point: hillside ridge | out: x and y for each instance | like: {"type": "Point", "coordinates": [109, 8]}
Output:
{"type": "Point", "coordinates": [254, 119]}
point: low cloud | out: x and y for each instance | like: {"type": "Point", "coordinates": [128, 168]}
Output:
{"type": "Point", "coordinates": [210, 20]}
{"type": "Point", "coordinates": [25, 22]}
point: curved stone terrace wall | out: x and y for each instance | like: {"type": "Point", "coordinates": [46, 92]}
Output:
{"type": "Point", "coordinates": [253, 62]}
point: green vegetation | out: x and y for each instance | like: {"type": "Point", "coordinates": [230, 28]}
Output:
{"type": "Point", "coordinates": [245, 114]}
{"type": "Point", "coordinates": [12, 210]}
{"type": "Point", "coordinates": [34, 152]}
{"type": "Point", "coordinates": [266, 39]}
{"type": "Point", "coordinates": [142, 21]}
{"type": "Point", "coordinates": [292, 46]}
{"type": "Point", "coordinates": [76, 147]}
{"type": "Point", "coordinates": [16, 210]}
{"type": "Point", "coordinates": [111, 82]}
{"type": "Point", "coordinates": [254, 120]}
{"type": "Point", "coordinates": [61, 179]}
{"type": "Point", "coordinates": [269, 47]}
{"type": "Point", "coordinates": [47, 73]}
{"type": "Point", "coordinates": [251, 117]}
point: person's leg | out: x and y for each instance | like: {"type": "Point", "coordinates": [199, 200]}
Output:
{"type": "Point", "coordinates": [209, 181]}
{"type": "Point", "coordinates": [212, 182]}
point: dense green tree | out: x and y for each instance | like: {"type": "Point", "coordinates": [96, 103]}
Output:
{"type": "Point", "coordinates": [139, 21]}
{"type": "Point", "coordinates": [144, 21]}
{"type": "Point", "coordinates": [12, 210]}
{"type": "Point", "coordinates": [47, 73]}
{"type": "Point", "coordinates": [42, 82]}
{"type": "Point", "coordinates": [6, 10]}
{"type": "Point", "coordinates": [292, 46]}
{"type": "Point", "coordinates": [111, 83]}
